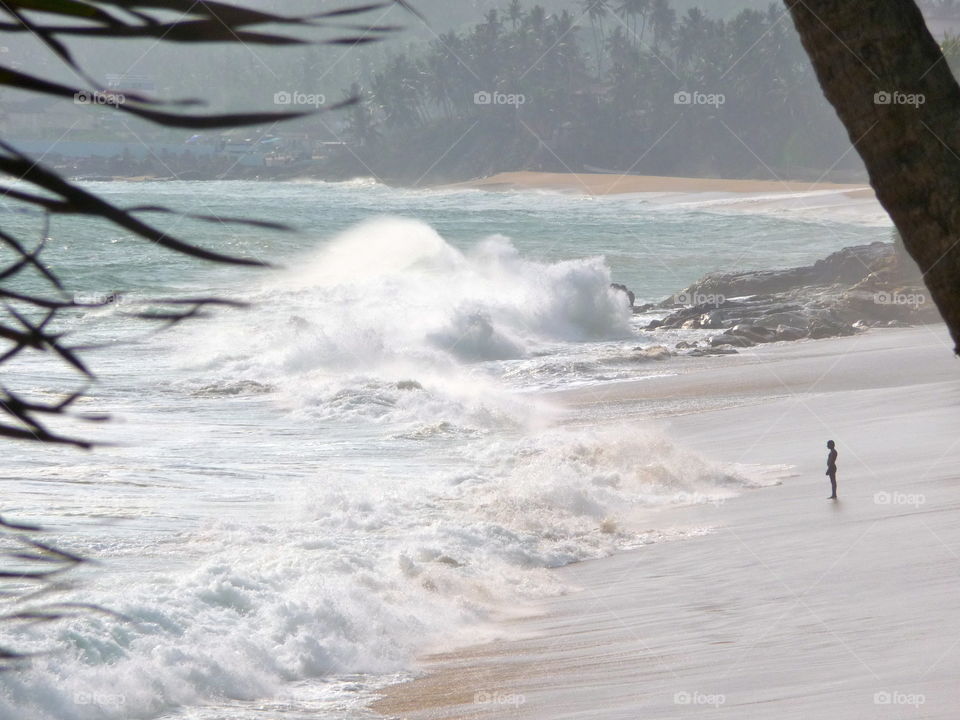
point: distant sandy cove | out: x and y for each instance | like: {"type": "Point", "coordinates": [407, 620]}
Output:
{"type": "Point", "coordinates": [612, 184]}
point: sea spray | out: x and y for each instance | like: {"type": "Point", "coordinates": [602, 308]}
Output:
{"type": "Point", "coordinates": [346, 473]}
{"type": "Point", "coordinates": [393, 288]}
{"type": "Point", "coordinates": [349, 574]}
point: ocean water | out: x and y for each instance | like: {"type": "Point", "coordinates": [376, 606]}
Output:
{"type": "Point", "coordinates": [302, 495]}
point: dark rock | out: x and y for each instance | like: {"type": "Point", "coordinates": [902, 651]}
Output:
{"type": "Point", "coordinates": [855, 288]}
{"type": "Point", "coordinates": [624, 289]}
{"type": "Point", "coordinates": [712, 320]}
{"type": "Point", "coordinates": [845, 267]}
{"type": "Point", "coordinates": [787, 332]}
{"type": "Point", "coordinates": [852, 264]}
{"type": "Point", "coordinates": [753, 333]}
{"type": "Point", "coordinates": [820, 329]}
{"type": "Point", "coordinates": [656, 352]}
{"type": "Point", "coordinates": [704, 352]}
{"type": "Point", "coordinates": [793, 319]}
{"type": "Point", "coordinates": [730, 339]}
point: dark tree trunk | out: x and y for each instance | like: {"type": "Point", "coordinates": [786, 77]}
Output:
{"type": "Point", "coordinates": [912, 151]}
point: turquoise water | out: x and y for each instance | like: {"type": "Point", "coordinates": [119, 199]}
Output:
{"type": "Point", "coordinates": [653, 248]}
{"type": "Point", "coordinates": [304, 494]}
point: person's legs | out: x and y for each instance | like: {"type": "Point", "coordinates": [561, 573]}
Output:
{"type": "Point", "coordinates": [833, 484]}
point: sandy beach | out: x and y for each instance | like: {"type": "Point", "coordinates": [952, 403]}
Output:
{"type": "Point", "coordinates": [791, 606]}
{"type": "Point", "coordinates": [612, 184]}
{"type": "Point", "coordinates": [814, 201]}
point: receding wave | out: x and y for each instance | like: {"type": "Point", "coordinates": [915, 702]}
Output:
{"type": "Point", "coordinates": [360, 572]}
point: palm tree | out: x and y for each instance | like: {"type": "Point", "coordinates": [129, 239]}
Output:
{"type": "Point", "coordinates": [663, 20]}
{"type": "Point", "coordinates": [492, 23]}
{"type": "Point", "coordinates": [634, 10]}
{"type": "Point", "coordinates": [620, 49]}
{"type": "Point", "coordinates": [438, 77]}
{"type": "Point", "coordinates": [537, 19]}
{"type": "Point", "coordinates": [515, 13]}
{"type": "Point", "coordinates": [361, 126]}
{"type": "Point", "coordinates": [597, 11]}
{"type": "Point", "coordinates": [690, 35]}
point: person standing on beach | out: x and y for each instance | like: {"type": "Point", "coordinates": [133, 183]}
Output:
{"type": "Point", "coordinates": [832, 467]}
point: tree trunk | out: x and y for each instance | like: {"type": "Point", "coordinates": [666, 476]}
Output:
{"type": "Point", "coordinates": [884, 73]}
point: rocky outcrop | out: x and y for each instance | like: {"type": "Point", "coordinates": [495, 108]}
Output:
{"type": "Point", "coordinates": [627, 291]}
{"type": "Point", "coordinates": [853, 289]}
{"type": "Point", "coordinates": [846, 268]}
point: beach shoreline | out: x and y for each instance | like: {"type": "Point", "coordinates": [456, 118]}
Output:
{"type": "Point", "coordinates": [580, 183]}
{"type": "Point", "coordinates": [809, 201]}
{"type": "Point", "coordinates": [784, 609]}
{"type": "Point", "coordinates": [615, 184]}
{"type": "Point", "coordinates": [816, 201]}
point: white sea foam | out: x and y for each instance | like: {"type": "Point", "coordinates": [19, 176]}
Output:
{"type": "Point", "coordinates": [354, 575]}
{"type": "Point", "coordinates": [344, 476]}
{"type": "Point", "coordinates": [391, 301]}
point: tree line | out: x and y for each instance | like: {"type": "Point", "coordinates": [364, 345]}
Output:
{"type": "Point", "coordinates": [618, 85]}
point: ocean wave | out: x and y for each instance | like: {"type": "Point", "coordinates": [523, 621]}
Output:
{"type": "Point", "coordinates": [391, 301]}
{"type": "Point", "coordinates": [225, 388]}
{"type": "Point", "coordinates": [357, 574]}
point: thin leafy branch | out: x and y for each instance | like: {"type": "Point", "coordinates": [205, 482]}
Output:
{"type": "Point", "coordinates": [32, 320]}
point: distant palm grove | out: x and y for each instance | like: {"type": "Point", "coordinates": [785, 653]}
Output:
{"type": "Point", "coordinates": [623, 86]}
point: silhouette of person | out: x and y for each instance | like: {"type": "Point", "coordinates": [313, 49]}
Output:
{"type": "Point", "coordinates": [832, 468]}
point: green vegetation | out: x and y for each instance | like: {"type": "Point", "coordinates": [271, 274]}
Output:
{"type": "Point", "coordinates": [597, 86]}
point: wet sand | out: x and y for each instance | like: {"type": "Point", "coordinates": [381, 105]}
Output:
{"type": "Point", "coordinates": [793, 606]}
